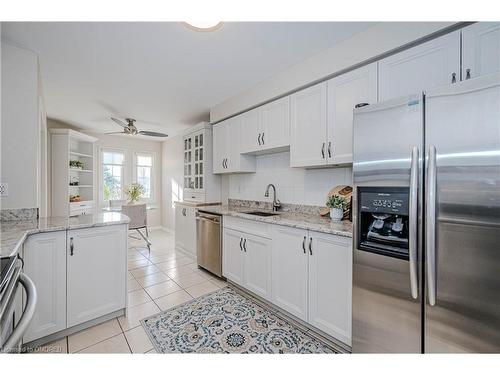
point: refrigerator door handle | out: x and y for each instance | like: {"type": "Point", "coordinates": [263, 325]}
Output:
{"type": "Point", "coordinates": [431, 226]}
{"type": "Point", "coordinates": [413, 222]}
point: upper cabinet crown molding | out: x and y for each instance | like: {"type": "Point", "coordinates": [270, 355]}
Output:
{"type": "Point", "coordinates": [480, 49]}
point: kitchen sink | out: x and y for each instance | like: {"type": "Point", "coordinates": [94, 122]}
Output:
{"type": "Point", "coordinates": [261, 213]}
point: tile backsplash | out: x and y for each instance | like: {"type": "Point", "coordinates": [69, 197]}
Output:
{"type": "Point", "coordinates": [293, 185]}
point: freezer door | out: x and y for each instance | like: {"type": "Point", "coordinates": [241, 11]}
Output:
{"type": "Point", "coordinates": [386, 291]}
{"type": "Point", "coordinates": [462, 309]}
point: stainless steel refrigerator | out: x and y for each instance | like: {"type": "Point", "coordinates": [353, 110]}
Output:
{"type": "Point", "coordinates": [426, 214]}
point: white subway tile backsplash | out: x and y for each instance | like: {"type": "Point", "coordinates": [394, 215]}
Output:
{"type": "Point", "coordinates": [294, 185]}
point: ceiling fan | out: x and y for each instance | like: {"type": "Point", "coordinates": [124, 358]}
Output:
{"type": "Point", "coordinates": [129, 128]}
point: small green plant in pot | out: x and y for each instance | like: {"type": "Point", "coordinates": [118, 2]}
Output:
{"type": "Point", "coordinates": [134, 192]}
{"type": "Point", "coordinates": [337, 204]}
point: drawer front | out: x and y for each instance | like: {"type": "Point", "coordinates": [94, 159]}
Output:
{"type": "Point", "coordinates": [194, 197]}
{"type": "Point", "coordinates": [247, 226]}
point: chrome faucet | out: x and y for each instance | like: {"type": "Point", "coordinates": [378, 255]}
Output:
{"type": "Point", "coordinates": [276, 202]}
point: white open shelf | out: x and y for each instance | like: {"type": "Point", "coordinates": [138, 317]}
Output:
{"type": "Point", "coordinates": [80, 154]}
{"type": "Point", "coordinates": [67, 146]}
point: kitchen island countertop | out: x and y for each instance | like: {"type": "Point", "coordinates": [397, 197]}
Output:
{"type": "Point", "coordinates": [13, 233]}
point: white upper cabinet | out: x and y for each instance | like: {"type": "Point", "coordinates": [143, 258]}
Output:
{"type": "Point", "coordinates": [480, 49]}
{"type": "Point", "coordinates": [330, 285]}
{"type": "Point", "coordinates": [251, 130]}
{"type": "Point", "coordinates": [45, 264]}
{"type": "Point", "coordinates": [276, 125]}
{"type": "Point", "coordinates": [266, 128]}
{"type": "Point", "coordinates": [308, 124]}
{"type": "Point", "coordinates": [220, 132]}
{"type": "Point", "coordinates": [344, 93]}
{"type": "Point", "coordinates": [227, 157]}
{"type": "Point", "coordinates": [431, 64]}
{"type": "Point", "coordinates": [96, 272]}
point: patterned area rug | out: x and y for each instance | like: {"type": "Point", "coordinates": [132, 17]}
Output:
{"type": "Point", "coordinates": [227, 322]}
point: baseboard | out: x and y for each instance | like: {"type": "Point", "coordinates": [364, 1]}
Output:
{"type": "Point", "coordinates": [166, 230]}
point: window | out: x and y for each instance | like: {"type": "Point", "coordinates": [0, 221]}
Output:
{"type": "Point", "coordinates": [144, 173]}
{"type": "Point", "coordinates": [112, 175]}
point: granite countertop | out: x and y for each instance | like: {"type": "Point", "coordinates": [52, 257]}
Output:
{"type": "Point", "coordinates": [14, 232]}
{"type": "Point", "coordinates": [196, 204]}
{"type": "Point", "coordinates": [292, 219]}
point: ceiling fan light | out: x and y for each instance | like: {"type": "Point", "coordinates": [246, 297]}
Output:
{"type": "Point", "coordinates": [203, 26]}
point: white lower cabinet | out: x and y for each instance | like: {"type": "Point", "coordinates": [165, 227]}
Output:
{"type": "Point", "coordinates": [185, 228]}
{"type": "Point", "coordinates": [289, 270]}
{"type": "Point", "coordinates": [96, 272]}
{"type": "Point", "coordinates": [232, 267]}
{"type": "Point", "coordinates": [257, 265]}
{"type": "Point", "coordinates": [45, 264]}
{"type": "Point", "coordinates": [330, 285]}
{"type": "Point", "coordinates": [247, 261]}
{"type": "Point", "coordinates": [308, 274]}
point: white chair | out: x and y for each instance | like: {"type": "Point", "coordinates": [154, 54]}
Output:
{"type": "Point", "coordinates": [117, 203]}
{"type": "Point", "coordinates": [138, 220]}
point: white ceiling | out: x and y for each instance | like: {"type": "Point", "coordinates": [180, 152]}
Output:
{"type": "Point", "coordinates": [165, 75]}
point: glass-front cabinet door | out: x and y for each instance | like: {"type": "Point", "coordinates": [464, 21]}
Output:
{"type": "Point", "coordinates": [188, 161]}
{"type": "Point", "coordinates": [194, 155]}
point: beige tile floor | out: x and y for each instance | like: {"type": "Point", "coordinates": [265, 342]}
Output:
{"type": "Point", "coordinates": [156, 282]}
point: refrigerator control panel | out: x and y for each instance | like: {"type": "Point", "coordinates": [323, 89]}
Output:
{"type": "Point", "coordinates": [383, 220]}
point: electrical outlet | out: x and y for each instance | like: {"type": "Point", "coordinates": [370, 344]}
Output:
{"type": "Point", "coordinates": [4, 189]}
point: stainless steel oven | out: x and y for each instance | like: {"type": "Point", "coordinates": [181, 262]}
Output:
{"type": "Point", "coordinates": [14, 320]}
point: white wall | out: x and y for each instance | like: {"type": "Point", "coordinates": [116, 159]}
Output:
{"type": "Point", "coordinates": [172, 178]}
{"type": "Point", "coordinates": [374, 41]}
{"type": "Point", "coordinates": [293, 185]}
{"type": "Point", "coordinates": [129, 145]}
{"type": "Point", "coordinates": [20, 127]}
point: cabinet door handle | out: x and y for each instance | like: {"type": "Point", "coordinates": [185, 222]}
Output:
{"type": "Point", "coordinates": [467, 74]}
{"type": "Point", "coordinates": [359, 105]}
{"type": "Point", "coordinates": [225, 162]}
{"type": "Point", "coordinates": [310, 246]}
{"type": "Point", "coordinates": [329, 149]}
{"type": "Point", "coordinates": [245, 244]}
{"type": "Point", "coordinates": [258, 139]}
{"type": "Point", "coordinates": [71, 246]}
{"type": "Point", "coordinates": [241, 240]}
{"type": "Point", "coordinates": [453, 77]}
{"type": "Point", "coordinates": [222, 162]}
{"type": "Point", "coordinates": [304, 245]}
{"type": "Point", "coordinates": [263, 139]}
{"type": "Point", "coordinates": [323, 150]}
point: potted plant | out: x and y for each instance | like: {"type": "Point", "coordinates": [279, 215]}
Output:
{"type": "Point", "coordinates": [134, 192]}
{"type": "Point", "coordinates": [337, 204]}
{"type": "Point", "coordinates": [76, 164]}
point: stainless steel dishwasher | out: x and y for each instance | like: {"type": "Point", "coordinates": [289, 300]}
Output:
{"type": "Point", "coordinates": [209, 242]}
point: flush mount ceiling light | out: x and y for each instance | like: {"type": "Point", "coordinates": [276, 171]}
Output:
{"type": "Point", "coordinates": [203, 26]}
